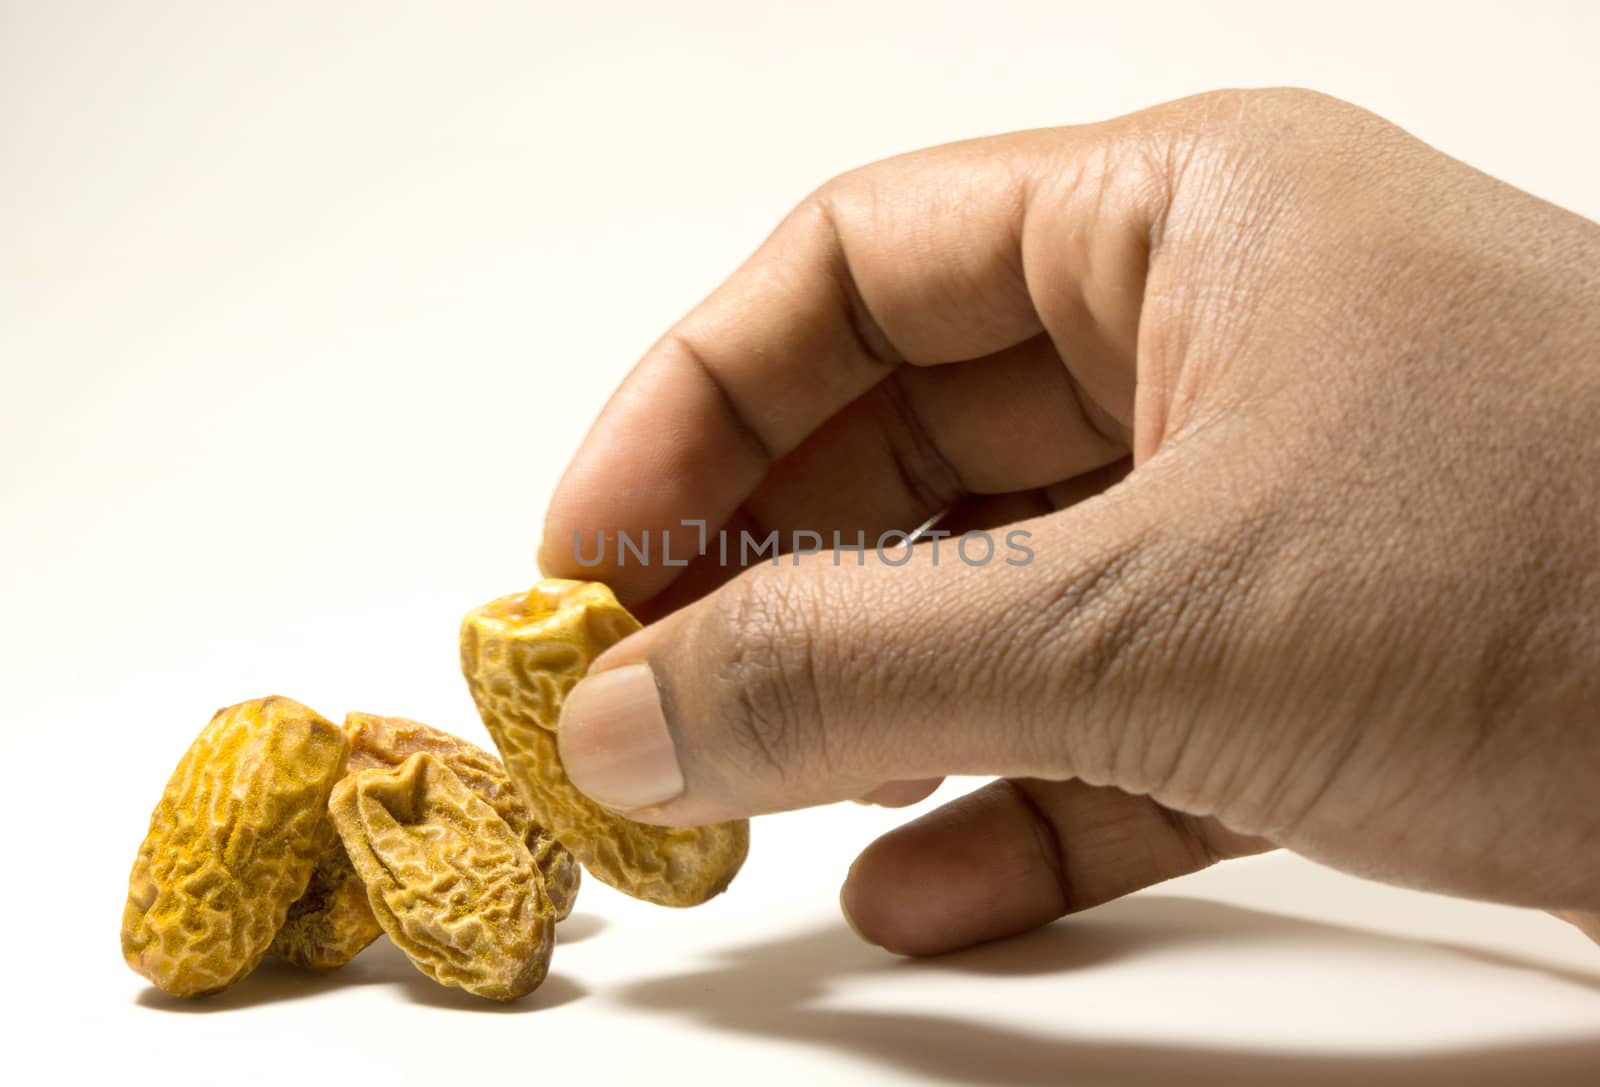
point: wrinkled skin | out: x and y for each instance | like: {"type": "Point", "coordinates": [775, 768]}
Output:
{"type": "Point", "coordinates": [1300, 414]}
{"type": "Point", "coordinates": [389, 741]}
{"type": "Point", "coordinates": [520, 655]}
{"type": "Point", "coordinates": [331, 922]}
{"type": "Point", "coordinates": [451, 883]}
{"type": "Point", "coordinates": [231, 845]}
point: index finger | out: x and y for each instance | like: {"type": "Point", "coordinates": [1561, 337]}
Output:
{"type": "Point", "coordinates": [917, 260]}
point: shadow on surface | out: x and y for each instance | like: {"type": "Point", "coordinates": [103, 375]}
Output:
{"type": "Point", "coordinates": [773, 990]}
{"type": "Point", "coordinates": [1146, 923]}
{"type": "Point", "coordinates": [385, 963]}
{"type": "Point", "coordinates": [579, 927]}
{"type": "Point", "coordinates": [271, 982]}
{"type": "Point", "coordinates": [380, 964]}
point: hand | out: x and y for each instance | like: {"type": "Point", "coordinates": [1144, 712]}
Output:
{"type": "Point", "coordinates": [1300, 416]}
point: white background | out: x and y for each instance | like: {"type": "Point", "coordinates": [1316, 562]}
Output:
{"type": "Point", "coordinates": [303, 308]}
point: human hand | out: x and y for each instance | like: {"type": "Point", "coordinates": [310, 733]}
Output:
{"type": "Point", "coordinates": [1299, 413]}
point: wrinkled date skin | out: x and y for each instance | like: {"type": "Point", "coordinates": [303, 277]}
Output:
{"type": "Point", "coordinates": [521, 654]}
{"type": "Point", "coordinates": [388, 741]}
{"type": "Point", "coordinates": [332, 922]}
{"type": "Point", "coordinates": [451, 883]}
{"type": "Point", "coordinates": [231, 845]}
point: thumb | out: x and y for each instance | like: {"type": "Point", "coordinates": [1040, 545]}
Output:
{"type": "Point", "coordinates": [808, 682]}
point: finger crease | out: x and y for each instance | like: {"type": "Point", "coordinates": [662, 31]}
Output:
{"type": "Point", "coordinates": [1096, 427]}
{"type": "Point", "coordinates": [1051, 854]}
{"type": "Point", "coordinates": [743, 425]}
{"type": "Point", "coordinates": [929, 477]}
{"type": "Point", "coordinates": [1196, 845]}
{"type": "Point", "coordinates": [871, 341]}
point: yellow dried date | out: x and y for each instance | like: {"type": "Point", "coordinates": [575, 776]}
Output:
{"type": "Point", "coordinates": [521, 654]}
{"type": "Point", "coordinates": [331, 923]}
{"type": "Point", "coordinates": [388, 741]}
{"type": "Point", "coordinates": [450, 882]}
{"type": "Point", "coordinates": [231, 845]}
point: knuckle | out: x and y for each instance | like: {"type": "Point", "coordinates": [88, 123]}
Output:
{"type": "Point", "coordinates": [847, 206]}
{"type": "Point", "coordinates": [1254, 112]}
{"type": "Point", "coordinates": [829, 205]}
{"type": "Point", "coordinates": [1288, 132]}
{"type": "Point", "coordinates": [843, 192]}
{"type": "Point", "coordinates": [766, 677]}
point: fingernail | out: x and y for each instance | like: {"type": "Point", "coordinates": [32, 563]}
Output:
{"type": "Point", "coordinates": [614, 740]}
